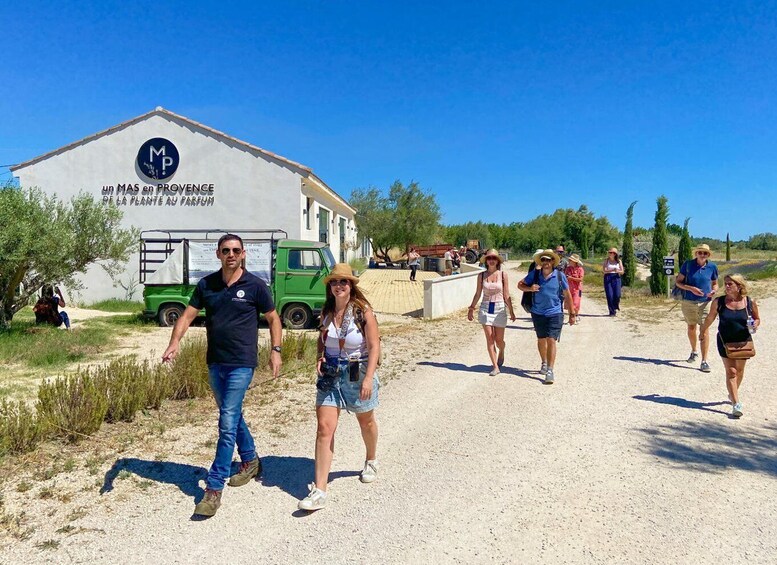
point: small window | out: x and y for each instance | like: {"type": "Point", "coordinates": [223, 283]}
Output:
{"type": "Point", "coordinates": [304, 259]}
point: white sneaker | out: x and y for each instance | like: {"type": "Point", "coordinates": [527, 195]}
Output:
{"type": "Point", "coordinates": [736, 411]}
{"type": "Point", "coordinates": [549, 377]}
{"type": "Point", "coordinates": [370, 471]}
{"type": "Point", "coordinates": [316, 500]}
{"type": "Point", "coordinates": [543, 368]}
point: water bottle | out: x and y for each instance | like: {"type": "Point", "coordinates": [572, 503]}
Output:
{"type": "Point", "coordinates": [750, 324]}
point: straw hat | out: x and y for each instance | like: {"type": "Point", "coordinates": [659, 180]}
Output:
{"type": "Point", "coordinates": [342, 271]}
{"type": "Point", "coordinates": [613, 250]}
{"type": "Point", "coordinates": [550, 253]}
{"type": "Point", "coordinates": [575, 259]}
{"type": "Point", "coordinates": [492, 253]}
{"type": "Point", "coordinates": [702, 247]}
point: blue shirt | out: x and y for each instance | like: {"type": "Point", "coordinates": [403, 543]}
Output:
{"type": "Point", "coordinates": [232, 317]}
{"type": "Point", "coordinates": [700, 276]}
{"type": "Point", "coordinates": [547, 300]}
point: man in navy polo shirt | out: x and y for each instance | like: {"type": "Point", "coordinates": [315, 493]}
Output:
{"type": "Point", "coordinates": [233, 300]}
{"type": "Point", "coordinates": [698, 279]}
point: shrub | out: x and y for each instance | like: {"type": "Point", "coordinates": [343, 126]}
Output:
{"type": "Point", "coordinates": [189, 371]}
{"type": "Point", "coordinates": [124, 383]}
{"type": "Point", "coordinates": [72, 406]}
{"type": "Point", "coordinates": [20, 428]}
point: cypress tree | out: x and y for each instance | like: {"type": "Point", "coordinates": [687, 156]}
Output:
{"type": "Point", "coordinates": [629, 263]}
{"type": "Point", "coordinates": [728, 248]}
{"type": "Point", "coordinates": [659, 283]}
{"type": "Point", "coordinates": [686, 249]}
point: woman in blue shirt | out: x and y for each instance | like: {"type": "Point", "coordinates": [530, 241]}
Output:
{"type": "Point", "coordinates": [550, 287]}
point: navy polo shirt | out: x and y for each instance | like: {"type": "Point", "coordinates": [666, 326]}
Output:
{"type": "Point", "coordinates": [700, 276]}
{"type": "Point", "coordinates": [232, 317]}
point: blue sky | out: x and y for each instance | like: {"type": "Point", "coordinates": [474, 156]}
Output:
{"type": "Point", "coordinates": [505, 110]}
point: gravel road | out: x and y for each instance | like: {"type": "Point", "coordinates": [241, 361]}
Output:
{"type": "Point", "coordinates": [629, 458]}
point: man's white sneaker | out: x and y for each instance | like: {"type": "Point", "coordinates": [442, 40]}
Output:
{"type": "Point", "coordinates": [316, 500]}
{"type": "Point", "coordinates": [370, 471]}
{"type": "Point", "coordinates": [543, 368]}
{"type": "Point", "coordinates": [736, 411]}
{"type": "Point", "coordinates": [549, 377]}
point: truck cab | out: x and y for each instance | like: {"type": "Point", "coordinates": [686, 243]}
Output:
{"type": "Point", "coordinates": [298, 288]}
{"type": "Point", "coordinates": [172, 263]}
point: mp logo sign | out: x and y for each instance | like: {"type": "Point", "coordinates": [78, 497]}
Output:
{"type": "Point", "coordinates": [158, 158]}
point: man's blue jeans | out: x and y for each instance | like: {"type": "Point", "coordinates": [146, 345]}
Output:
{"type": "Point", "coordinates": [229, 386]}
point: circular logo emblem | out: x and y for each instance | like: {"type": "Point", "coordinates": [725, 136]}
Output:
{"type": "Point", "coordinates": [241, 293]}
{"type": "Point", "coordinates": [158, 158]}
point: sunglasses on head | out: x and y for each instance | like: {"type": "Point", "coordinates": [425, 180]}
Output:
{"type": "Point", "coordinates": [226, 250]}
{"type": "Point", "coordinates": [339, 282]}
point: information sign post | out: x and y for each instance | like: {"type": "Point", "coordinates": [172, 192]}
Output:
{"type": "Point", "coordinates": [669, 272]}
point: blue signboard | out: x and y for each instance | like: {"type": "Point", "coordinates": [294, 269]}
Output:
{"type": "Point", "coordinates": [158, 158]}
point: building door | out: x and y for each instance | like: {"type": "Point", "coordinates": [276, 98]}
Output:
{"type": "Point", "coordinates": [323, 225]}
{"type": "Point", "coordinates": [342, 240]}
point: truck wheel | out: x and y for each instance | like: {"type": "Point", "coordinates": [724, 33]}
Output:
{"type": "Point", "coordinates": [471, 256]}
{"type": "Point", "coordinates": [297, 316]}
{"type": "Point", "coordinates": [168, 315]}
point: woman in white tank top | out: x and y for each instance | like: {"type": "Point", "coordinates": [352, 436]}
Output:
{"type": "Point", "coordinates": [348, 357]}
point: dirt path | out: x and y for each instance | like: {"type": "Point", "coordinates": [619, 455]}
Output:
{"type": "Point", "coordinates": [629, 458]}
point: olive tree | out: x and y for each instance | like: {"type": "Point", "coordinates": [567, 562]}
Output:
{"type": "Point", "coordinates": [44, 239]}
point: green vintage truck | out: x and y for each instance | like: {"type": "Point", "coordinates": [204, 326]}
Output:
{"type": "Point", "coordinates": [173, 261]}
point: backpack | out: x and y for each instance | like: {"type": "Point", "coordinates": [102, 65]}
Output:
{"type": "Point", "coordinates": [45, 312]}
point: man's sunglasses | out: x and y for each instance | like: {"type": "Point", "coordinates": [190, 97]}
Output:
{"type": "Point", "coordinates": [545, 260]}
{"type": "Point", "coordinates": [702, 253]}
{"type": "Point", "coordinates": [340, 282]}
{"type": "Point", "coordinates": [236, 250]}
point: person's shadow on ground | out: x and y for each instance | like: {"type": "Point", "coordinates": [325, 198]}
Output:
{"type": "Point", "coordinates": [683, 403]}
{"type": "Point", "coordinates": [185, 477]}
{"type": "Point", "coordinates": [664, 362]}
{"type": "Point", "coordinates": [293, 475]}
{"type": "Point", "coordinates": [504, 370]}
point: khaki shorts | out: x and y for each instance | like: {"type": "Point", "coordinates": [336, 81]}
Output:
{"type": "Point", "coordinates": [694, 312]}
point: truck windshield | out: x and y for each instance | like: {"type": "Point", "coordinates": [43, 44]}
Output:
{"type": "Point", "coordinates": [328, 257]}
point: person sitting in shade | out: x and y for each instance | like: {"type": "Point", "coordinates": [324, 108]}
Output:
{"type": "Point", "coordinates": [47, 307]}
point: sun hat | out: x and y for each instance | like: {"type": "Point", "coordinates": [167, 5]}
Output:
{"type": "Point", "coordinates": [342, 271]}
{"type": "Point", "coordinates": [492, 253]}
{"type": "Point", "coordinates": [702, 247]}
{"type": "Point", "coordinates": [613, 250]}
{"type": "Point", "coordinates": [550, 253]}
{"type": "Point", "coordinates": [575, 259]}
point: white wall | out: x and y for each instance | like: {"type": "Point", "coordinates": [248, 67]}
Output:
{"type": "Point", "coordinates": [445, 295]}
{"type": "Point", "coordinates": [251, 190]}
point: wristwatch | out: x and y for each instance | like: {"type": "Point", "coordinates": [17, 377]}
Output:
{"type": "Point", "coordinates": [276, 348]}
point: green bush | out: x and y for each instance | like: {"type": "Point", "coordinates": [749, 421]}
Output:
{"type": "Point", "coordinates": [72, 406]}
{"type": "Point", "coordinates": [124, 383]}
{"type": "Point", "coordinates": [189, 371]}
{"type": "Point", "coordinates": [20, 428]}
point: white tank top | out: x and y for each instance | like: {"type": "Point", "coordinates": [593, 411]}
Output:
{"type": "Point", "coordinates": [355, 344]}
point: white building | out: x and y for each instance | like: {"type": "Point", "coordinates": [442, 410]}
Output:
{"type": "Point", "coordinates": [165, 171]}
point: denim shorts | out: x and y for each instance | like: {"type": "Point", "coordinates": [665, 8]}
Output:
{"type": "Point", "coordinates": [548, 326]}
{"type": "Point", "coordinates": [339, 391]}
